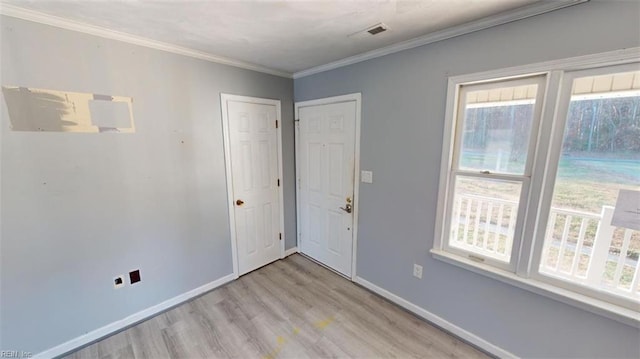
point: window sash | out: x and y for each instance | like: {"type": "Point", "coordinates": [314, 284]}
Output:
{"type": "Point", "coordinates": [515, 247]}
{"type": "Point", "coordinates": [464, 89]}
{"type": "Point", "coordinates": [558, 125]}
{"type": "Point", "coordinates": [524, 178]}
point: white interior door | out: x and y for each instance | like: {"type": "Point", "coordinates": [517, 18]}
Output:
{"type": "Point", "coordinates": [326, 175]}
{"type": "Point", "coordinates": [255, 196]}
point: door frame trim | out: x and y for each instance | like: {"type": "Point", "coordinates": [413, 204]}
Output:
{"type": "Point", "coordinates": [357, 97]}
{"type": "Point", "coordinates": [224, 97]}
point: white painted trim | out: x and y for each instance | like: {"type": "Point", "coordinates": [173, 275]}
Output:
{"type": "Point", "coordinates": [227, 166]}
{"type": "Point", "coordinates": [356, 185]}
{"type": "Point", "coordinates": [296, 142]}
{"type": "Point", "coordinates": [473, 26]}
{"type": "Point", "coordinates": [51, 20]}
{"type": "Point", "coordinates": [609, 58]}
{"type": "Point", "coordinates": [290, 251]}
{"type": "Point", "coordinates": [283, 238]}
{"type": "Point", "coordinates": [224, 98]}
{"type": "Point", "coordinates": [357, 97]}
{"type": "Point", "coordinates": [524, 258]}
{"type": "Point", "coordinates": [438, 321]}
{"type": "Point", "coordinates": [329, 100]}
{"type": "Point", "coordinates": [131, 320]}
{"type": "Point", "coordinates": [446, 161]}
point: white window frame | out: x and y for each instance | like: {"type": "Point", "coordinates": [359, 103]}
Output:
{"type": "Point", "coordinates": [523, 269]}
{"type": "Point", "coordinates": [523, 179]}
{"type": "Point", "coordinates": [553, 160]}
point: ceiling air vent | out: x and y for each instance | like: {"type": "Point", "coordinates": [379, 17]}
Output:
{"type": "Point", "coordinates": [376, 29]}
{"type": "Point", "coordinates": [370, 31]}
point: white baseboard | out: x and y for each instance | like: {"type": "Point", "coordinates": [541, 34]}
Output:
{"type": "Point", "coordinates": [440, 322]}
{"type": "Point", "coordinates": [130, 320]}
{"type": "Point", "coordinates": [290, 251]}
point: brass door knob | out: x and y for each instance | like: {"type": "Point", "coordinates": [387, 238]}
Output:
{"type": "Point", "coordinates": [239, 202]}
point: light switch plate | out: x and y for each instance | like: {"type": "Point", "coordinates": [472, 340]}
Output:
{"type": "Point", "coordinates": [366, 176]}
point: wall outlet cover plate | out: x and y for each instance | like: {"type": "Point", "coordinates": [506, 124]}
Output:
{"type": "Point", "coordinates": [134, 276]}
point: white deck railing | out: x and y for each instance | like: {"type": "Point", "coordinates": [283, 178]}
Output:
{"type": "Point", "coordinates": [484, 225]}
{"type": "Point", "coordinates": [600, 261]}
{"type": "Point", "coordinates": [581, 247]}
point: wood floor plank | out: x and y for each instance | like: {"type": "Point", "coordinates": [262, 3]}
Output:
{"type": "Point", "coordinates": [256, 341]}
{"type": "Point", "coordinates": [293, 308]}
{"type": "Point", "coordinates": [296, 324]}
{"type": "Point", "coordinates": [147, 341]}
{"type": "Point", "coordinates": [90, 352]}
{"type": "Point", "coordinates": [327, 349]}
{"type": "Point", "coordinates": [121, 353]}
{"type": "Point", "coordinates": [227, 332]}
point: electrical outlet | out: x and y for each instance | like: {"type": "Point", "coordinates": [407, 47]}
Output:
{"type": "Point", "coordinates": [417, 271]}
{"type": "Point", "coordinates": [134, 276]}
{"type": "Point", "coordinates": [118, 282]}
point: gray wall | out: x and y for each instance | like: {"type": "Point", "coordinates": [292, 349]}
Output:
{"type": "Point", "coordinates": [79, 209]}
{"type": "Point", "coordinates": [403, 97]}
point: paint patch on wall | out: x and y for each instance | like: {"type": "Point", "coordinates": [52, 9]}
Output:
{"type": "Point", "coordinates": [42, 110]}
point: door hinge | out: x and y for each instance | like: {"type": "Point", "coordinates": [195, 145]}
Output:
{"type": "Point", "coordinates": [276, 123]}
{"type": "Point", "coordinates": [278, 182]}
{"type": "Point", "coordinates": [280, 236]}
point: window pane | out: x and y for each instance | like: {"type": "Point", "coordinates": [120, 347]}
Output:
{"type": "Point", "coordinates": [484, 216]}
{"type": "Point", "coordinates": [600, 156]}
{"type": "Point", "coordinates": [497, 127]}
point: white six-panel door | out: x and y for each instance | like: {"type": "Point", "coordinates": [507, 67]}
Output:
{"type": "Point", "coordinates": [255, 197]}
{"type": "Point", "coordinates": [326, 175]}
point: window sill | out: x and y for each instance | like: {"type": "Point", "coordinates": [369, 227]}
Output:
{"type": "Point", "coordinates": [605, 309]}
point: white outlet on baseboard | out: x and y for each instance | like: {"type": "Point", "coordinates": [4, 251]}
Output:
{"type": "Point", "coordinates": [118, 282]}
{"type": "Point", "coordinates": [417, 271]}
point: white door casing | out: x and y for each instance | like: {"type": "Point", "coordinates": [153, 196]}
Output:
{"type": "Point", "coordinates": [327, 142]}
{"type": "Point", "coordinates": [253, 158]}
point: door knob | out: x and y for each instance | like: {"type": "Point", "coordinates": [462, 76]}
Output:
{"type": "Point", "coordinates": [347, 208]}
{"type": "Point", "coordinates": [239, 202]}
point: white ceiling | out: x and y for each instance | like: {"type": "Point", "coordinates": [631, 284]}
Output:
{"type": "Point", "coordinates": [289, 36]}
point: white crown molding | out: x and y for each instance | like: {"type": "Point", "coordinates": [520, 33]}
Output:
{"type": "Point", "coordinates": [609, 58]}
{"type": "Point", "coordinates": [481, 24]}
{"type": "Point", "coordinates": [51, 20]}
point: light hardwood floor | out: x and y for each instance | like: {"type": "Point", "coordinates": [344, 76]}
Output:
{"type": "Point", "coordinates": [292, 308]}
